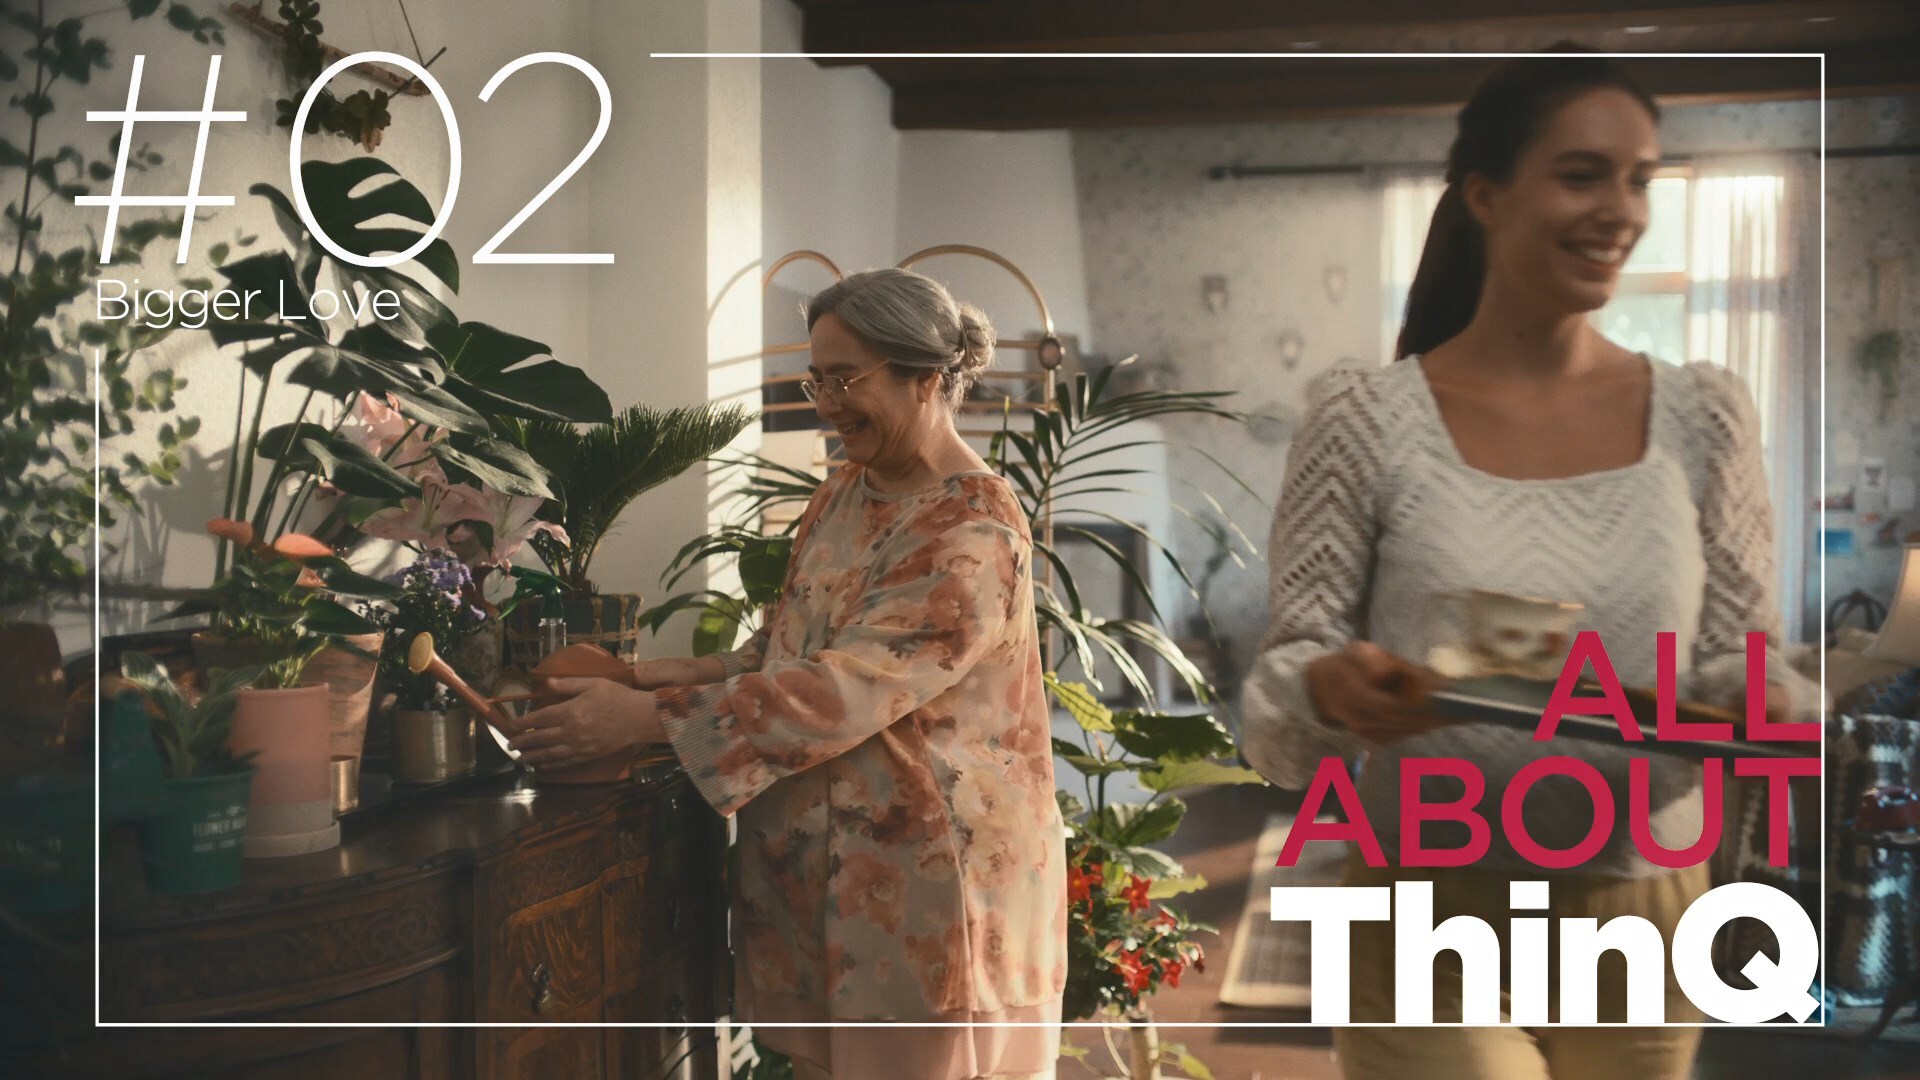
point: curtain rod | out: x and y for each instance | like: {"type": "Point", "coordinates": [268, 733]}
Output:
{"type": "Point", "coordinates": [1246, 172]}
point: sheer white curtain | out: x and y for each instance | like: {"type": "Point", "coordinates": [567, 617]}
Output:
{"type": "Point", "coordinates": [1407, 203]}
{"type": "Point", "coordinates": [1752, 308]}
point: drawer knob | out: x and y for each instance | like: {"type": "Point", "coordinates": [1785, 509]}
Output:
{"type": "Point", "coordinates": [542, 988]}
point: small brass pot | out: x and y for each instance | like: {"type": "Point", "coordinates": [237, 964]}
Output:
{"type": "Point", "coordinates": [430, 746]}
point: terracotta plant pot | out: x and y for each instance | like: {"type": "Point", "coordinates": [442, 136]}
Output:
{"type": "Point", "coordinates": [286, 731]}
{"type": "Point", "coordinates": [349, 682]}
{"type": "Point", "coordinates": [33, 684]}
{"type": "Point", "coordinates": [348, 679]}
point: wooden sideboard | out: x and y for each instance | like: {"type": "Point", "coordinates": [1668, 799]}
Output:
{"type": "Point", "coordinates": [503, 903]}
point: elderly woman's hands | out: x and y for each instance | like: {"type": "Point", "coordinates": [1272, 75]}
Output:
{"type": "Point", "coordinates": [601, 718]}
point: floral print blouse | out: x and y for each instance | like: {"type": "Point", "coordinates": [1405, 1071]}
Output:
{"type": "Point", "coordinates": [885, 743]}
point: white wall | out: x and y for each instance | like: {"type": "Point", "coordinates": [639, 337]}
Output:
{"type": "Point", "coordinates": [1009, 192]}
{"type": "Point", "coordinates": [676, 193]}
{"type": "Point", "coordinates": [830, 172]}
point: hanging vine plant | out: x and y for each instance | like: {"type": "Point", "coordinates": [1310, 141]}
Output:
{"type": "Point", "coordinates": [362, 116]}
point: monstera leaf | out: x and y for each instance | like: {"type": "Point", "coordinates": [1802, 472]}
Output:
{"type": "Point", "coordinates": [344, 216]}
{"type": "Point", "coordinates": [487, 368]}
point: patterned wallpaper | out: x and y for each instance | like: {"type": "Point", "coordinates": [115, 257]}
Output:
{"type": "Point", "coordinates": [1154, 226]}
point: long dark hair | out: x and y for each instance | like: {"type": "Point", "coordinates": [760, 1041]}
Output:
{"type": "Point", "coordinates": [1508, 111]}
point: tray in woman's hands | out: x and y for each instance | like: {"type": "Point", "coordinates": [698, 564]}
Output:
{"type": "Point", "coordinates": [1514, 702]}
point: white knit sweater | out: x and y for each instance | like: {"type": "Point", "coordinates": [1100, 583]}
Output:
{"type": "Point", "coordinates": [1381, 515]}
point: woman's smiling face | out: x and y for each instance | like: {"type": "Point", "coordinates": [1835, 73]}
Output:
{"type": "Point", "coordinates": [883, 419]}
{"type": "Point", "coordinates": [1559, 231]}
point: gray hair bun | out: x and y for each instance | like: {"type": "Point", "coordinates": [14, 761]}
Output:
{"type": "Point", "coordinates": [975, 348]}
{"type": "Point", "coordinates": [914, 322]}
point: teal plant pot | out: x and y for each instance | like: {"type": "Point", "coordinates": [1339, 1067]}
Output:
{"type": "Point", "coordinates": [46, 843]}
{"type": "Point", "coordinates": [195, 845]}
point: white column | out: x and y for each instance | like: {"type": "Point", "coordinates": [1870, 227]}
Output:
{"type": "Point", "coordinates": [676, 193]}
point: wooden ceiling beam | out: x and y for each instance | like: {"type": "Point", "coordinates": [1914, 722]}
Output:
{"type": "Point", "coordinates": [886, 26]}
{"type": "Point", "coordinates": [1224, 92]}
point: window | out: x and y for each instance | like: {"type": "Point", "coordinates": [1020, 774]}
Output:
{"type": "Point", "coordinates": [1649, 311]}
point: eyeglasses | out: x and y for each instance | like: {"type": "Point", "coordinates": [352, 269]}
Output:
{"type": "Point", "coordinates": [832, 385]}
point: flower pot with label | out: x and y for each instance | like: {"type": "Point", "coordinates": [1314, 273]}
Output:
{"type": "Point", "coordinates": [196, 843]}
{"type": "Point", "coordinates": [349, 680]}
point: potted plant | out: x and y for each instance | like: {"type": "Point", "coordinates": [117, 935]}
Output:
{"type": "Point", "coordinates": [432, 735]}
{"type": "Point", "coordinates": [277, 608]}
{"type": "Point", "coordinates": [53, 475]}
{"type": "Point", "coordinates": [597, 472]}
{"type": "Point", "coordinates": [401, 430]}
{"type": "Point", "coordinates": [194, 843]}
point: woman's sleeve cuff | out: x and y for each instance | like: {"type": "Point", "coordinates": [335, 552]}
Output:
{"type": "Point", "coordinates": [1283, 736]}
{"type": "Point", "coordinates": [722, 765]}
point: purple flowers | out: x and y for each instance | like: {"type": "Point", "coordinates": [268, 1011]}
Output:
{"type": "Point", "coordinates": [438, 599]}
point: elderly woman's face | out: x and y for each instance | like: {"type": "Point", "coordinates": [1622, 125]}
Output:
{"type": "Point", "coordinates": [882, 418]}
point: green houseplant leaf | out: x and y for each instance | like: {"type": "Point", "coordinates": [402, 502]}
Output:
{"type": "Point", "coordinates": [1171, 738]}
{"type": "Point", "coordinates": [344, 210]}
{"type": "Point", "coordinates": [488, 369]}
{"type": "Point", "coordinates": [601, 469]}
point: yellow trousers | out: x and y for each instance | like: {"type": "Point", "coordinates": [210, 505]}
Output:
{"type": "Point", "coordinates": [1517, 1053]}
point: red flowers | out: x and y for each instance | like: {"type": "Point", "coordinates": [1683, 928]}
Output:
{"type": "Point", "coordinates": [1080, 882]}
{"type": "Point", "coordinates": [1171, 972]}
{"type": "Point", "coordinates": [1123, 946]}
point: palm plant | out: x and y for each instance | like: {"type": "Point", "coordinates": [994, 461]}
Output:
{"type": "Point", "coordinates": [599, 470]}
{"type": "Point", "coordinates": [760, 558]}
{"type": "Point", "coordinates": [1059, 460]}
{"type": "Point", "coordinates": [1065, 456]}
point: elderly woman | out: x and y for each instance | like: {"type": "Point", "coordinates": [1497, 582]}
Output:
{"type": "Point", "coordinates": [884, 739]}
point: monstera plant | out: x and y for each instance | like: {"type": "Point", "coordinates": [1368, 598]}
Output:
{"type": "Point", "coordinates": [458, 385]}
{"type": "Point", "coordinates": [453, 391]}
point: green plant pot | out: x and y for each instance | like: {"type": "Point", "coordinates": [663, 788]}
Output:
{"type": "Point", "coordinates": [195, 846]}
{"type": "Point", "coordinates": [46, 843]}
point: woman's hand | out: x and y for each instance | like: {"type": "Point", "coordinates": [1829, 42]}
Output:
{"type": "Point", "coordinates": [1373, 693]}
{"type": "Point", "coordinates": [601, 718]}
